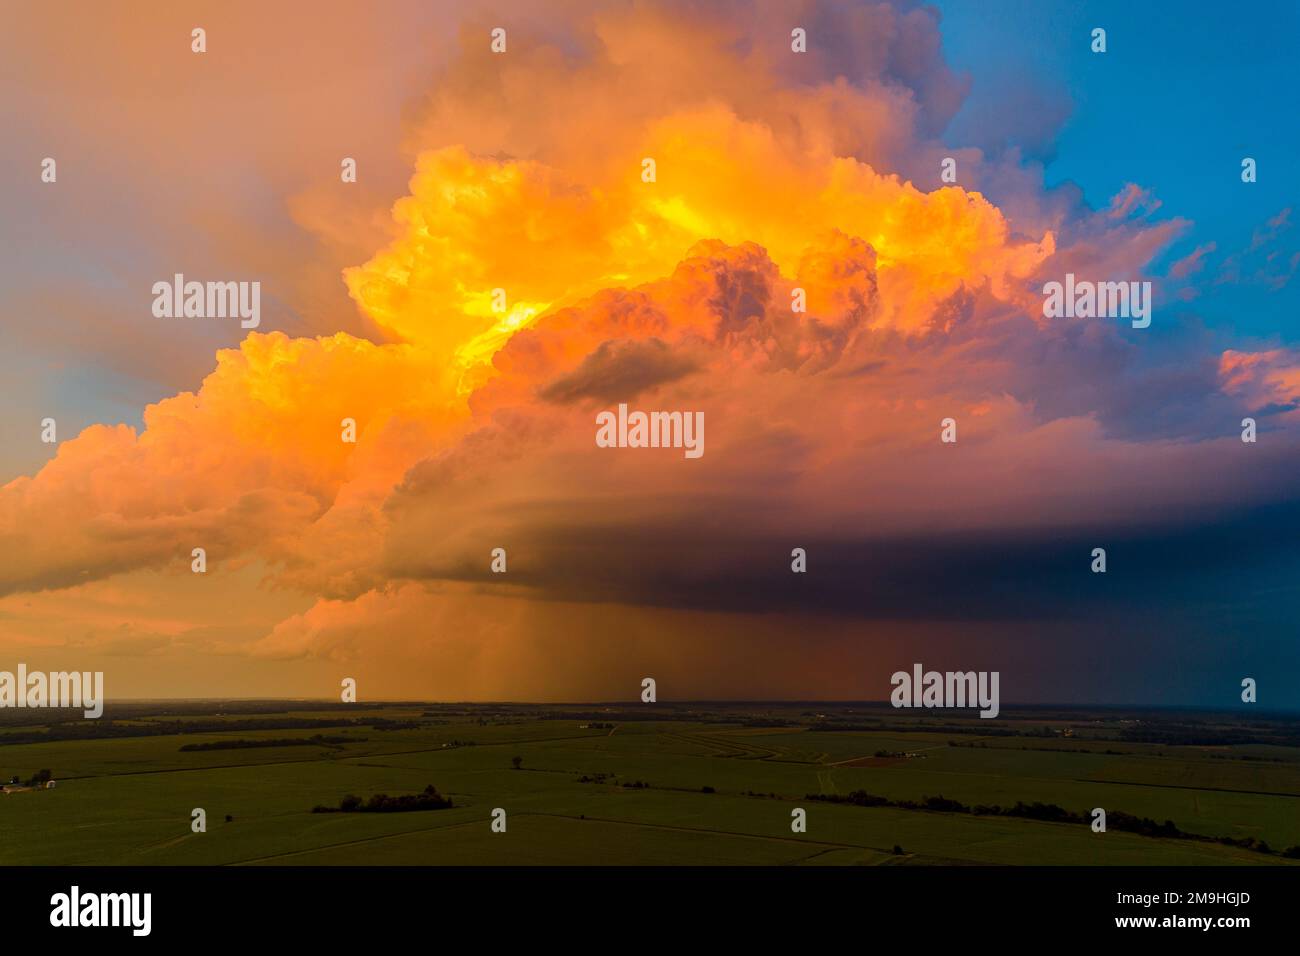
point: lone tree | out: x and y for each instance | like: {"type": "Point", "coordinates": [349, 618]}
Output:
{"type": "Point", "coordinates": [517, 762]}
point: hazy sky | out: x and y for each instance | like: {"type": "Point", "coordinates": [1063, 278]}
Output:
{"type": "Point", "coordinates": [775, 171]}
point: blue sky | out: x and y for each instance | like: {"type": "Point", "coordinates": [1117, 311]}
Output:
{"type": "Point", "coordinates": [1184, 92]}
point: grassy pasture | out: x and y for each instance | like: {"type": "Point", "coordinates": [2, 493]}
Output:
{"type": "Point", "coordinates": [128, 800]}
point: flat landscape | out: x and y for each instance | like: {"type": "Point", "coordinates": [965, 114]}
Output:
{"type": "Point", "coordinates": [697, 783]}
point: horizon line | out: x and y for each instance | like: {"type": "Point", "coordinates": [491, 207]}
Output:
{"type": "Point", "coordinates": [1207, 708]}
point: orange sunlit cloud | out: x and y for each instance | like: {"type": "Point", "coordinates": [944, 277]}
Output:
{"type": "Point", "coordinates": [475, 425]}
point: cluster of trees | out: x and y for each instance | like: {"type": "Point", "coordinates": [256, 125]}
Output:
{"type": "Point", "coordinates": [428, 799]}
{"type": "Point", "coordinates": [316, 740]}
{"type": "Point", "coordinates": [38, 780]}
{"type": "Point", "coordinates": [634, 784]}
{"type": "Point", "coordinates": [1049, 812]}
{"type": "Point", "coordinates": [859, 798]}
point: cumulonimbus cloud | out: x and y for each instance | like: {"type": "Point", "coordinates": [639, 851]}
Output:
{"type": "Point", "coordinates": [476, 425]}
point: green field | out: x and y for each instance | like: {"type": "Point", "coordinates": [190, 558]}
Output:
{"type": "Point", "coordinates": [128, 800]}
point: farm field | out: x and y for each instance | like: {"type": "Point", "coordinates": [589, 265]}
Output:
{"type": "Point", "coordinates": [601, 784]}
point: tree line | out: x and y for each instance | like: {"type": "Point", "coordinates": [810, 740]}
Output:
{"type": "Point", "coordinates": [1051, 813]}
{"type": "Point", "coordinates": [428, 799]}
